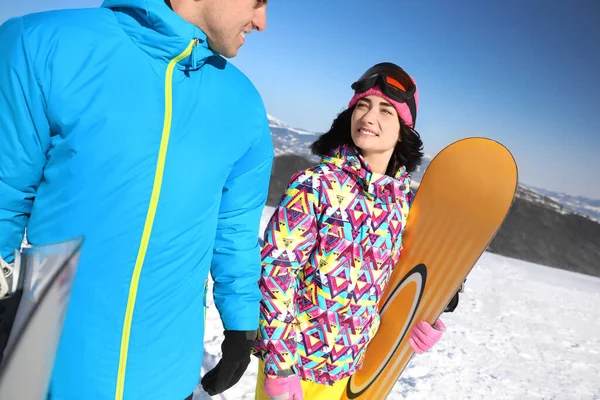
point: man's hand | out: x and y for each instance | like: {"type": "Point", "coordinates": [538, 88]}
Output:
{"type": "Point", "coordinates": [236, 357]}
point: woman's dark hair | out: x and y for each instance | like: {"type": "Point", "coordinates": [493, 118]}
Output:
{"type": "Point", "coordinates": [408, 152]}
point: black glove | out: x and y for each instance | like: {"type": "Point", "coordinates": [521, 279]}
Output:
{"type": "Point", "coordinates": [454, 301]}
{"type": "Point", "coordinates": [236, 357]}
{"type": "Point", "coordinates": [453, 304]}
{"type": "Point", "coordinates": [8, 311]}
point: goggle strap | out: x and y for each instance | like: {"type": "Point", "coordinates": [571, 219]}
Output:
{"type": "Point", "coordinates": [412, 106]}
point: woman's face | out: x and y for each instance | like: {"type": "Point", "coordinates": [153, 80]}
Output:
{"type": "Point", "coordinates": [375, 126]}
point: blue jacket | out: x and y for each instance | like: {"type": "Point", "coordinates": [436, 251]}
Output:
{"type": "Point", "coordinates": [120, 124]}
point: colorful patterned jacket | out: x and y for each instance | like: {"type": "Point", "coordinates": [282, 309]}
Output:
{"type": "Point", "coordinates": [329, 251]}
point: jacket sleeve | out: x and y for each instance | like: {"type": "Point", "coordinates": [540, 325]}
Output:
{"type": "Point", "coordinates": [24, 136]}
{"type": "Point", "coordinates": [290, 238]}
{"type": "Point", "coordinates": [235, 267]}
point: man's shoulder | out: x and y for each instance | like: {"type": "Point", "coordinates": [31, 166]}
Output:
{"type": "Point", "coordinates": [241, 82]}
{"type": "Point", "coordinates": [68, 33]}
{"type": "Point", "coordinates": [67, 22]}
{"type": "Point", "coordinates": [243, 98]}
{"type": "Point", "coordinates": [68, 18]}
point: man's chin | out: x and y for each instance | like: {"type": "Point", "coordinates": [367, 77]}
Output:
{"type": "Point", "coordinates": [230, 53]}
{"type": "Point", "coordinates": [227, 53]}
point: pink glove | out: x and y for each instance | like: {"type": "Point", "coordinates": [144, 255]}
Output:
{"type": "Point", "coordinates": [423, 336]}
{"type": "Point", "coordinates": [284, 388]}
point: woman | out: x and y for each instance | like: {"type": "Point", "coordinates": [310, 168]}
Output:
{"type": "Point", "coordinates": [331, 244]}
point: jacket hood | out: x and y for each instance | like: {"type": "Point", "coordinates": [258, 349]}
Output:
{"type": "Point", "coordinates": [160, 31]}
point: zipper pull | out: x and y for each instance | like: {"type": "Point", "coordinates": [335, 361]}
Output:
{"type": "Point", "coordinates": [194, 45]}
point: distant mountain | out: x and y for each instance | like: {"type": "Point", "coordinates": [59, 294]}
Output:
{"type": "Point", "coordinates": [578, 204]}
{"type": "Point", "coordinates": [287, 140]}
{"type": "Point", "coordinates": [543, 227]}
{"type": "Point", "coordinates": [542, 231]}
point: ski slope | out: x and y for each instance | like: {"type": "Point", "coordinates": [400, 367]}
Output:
{"type": "Point", "coordinates": [521, 331]}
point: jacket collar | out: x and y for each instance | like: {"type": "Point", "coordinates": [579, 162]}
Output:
{"type": "Point", "coordinates": [161, 32]}
{"type": "Point", "coordinates": [348, 159]}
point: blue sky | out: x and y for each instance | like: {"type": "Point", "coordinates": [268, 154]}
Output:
{"type": "Point", "coordinates": [522, 72]}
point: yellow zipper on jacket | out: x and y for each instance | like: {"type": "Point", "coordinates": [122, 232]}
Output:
{"type": "Point", "coordinates": [139, 262]}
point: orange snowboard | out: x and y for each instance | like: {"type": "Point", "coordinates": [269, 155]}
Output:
{"type": "Point", "coordinates": [464, 196]}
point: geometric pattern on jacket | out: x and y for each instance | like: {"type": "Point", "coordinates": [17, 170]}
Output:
{"type": "Point", "coordinates": [329, 250]}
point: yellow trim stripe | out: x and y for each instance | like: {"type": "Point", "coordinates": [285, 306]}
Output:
{"type": "Point", "coordinates": [139, 262]}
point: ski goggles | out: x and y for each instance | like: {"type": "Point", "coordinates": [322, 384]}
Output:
{"type": "Point", "coordinates": [393, 81]}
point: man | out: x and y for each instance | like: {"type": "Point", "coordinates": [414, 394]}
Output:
{"type": "Point", "coordinates": [126, 125]}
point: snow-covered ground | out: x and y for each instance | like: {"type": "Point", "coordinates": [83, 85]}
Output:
{"type": "Point", "coordinates": [521, 331]}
